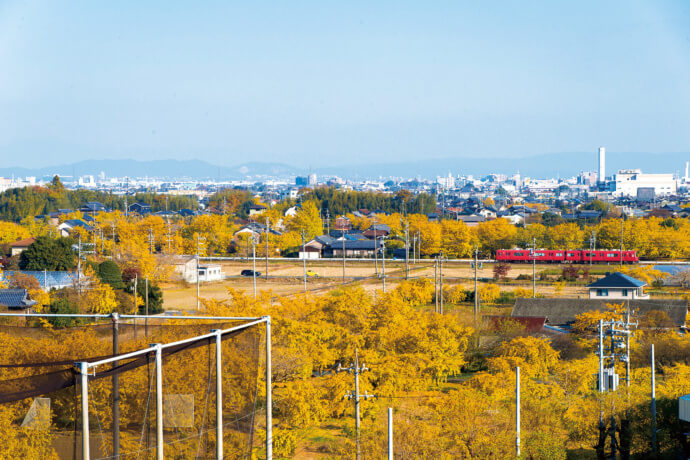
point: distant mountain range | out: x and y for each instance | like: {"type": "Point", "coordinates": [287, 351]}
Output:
{"type": "Point", "coordinates": [540, 166]}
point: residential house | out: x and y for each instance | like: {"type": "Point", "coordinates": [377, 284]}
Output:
{"type": "Point", "coordinates": [256, 209]}
{"type": "Point", "coordinates": [472, 220]}
{"type": "Point", "coordinates": [67, 227]}
{"type": "Point", "coordinates": [16, 299]}
{"type": "Point", "coordinates": [139, 208]}
{"type": "Point", "coordinates": [317, 247]}
{"type": "Point", "coordinates": [357, 248]}
{"type": "Point", "coordinates": [617, 286]}
{"type": "Point", "coordinates": [342, 223]}
{"type": "Point", "coordinates": [93, 207]}
{"type": "Point", "coordinates": [20, 246]}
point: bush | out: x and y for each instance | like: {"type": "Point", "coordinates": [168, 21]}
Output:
{"type": "Point", "coordinates": [489, 293]}
{"type": "Point", "coordinates": [524, 277]}
{"type": "Point", "coordinates": [522, 293]}
{"type": "Point", "coordinates": [109, 273]}
{"type": "Point", "coordinates": [454, 294]}
{"type": "Point", "coordinates": [416, 293]}
{"type": "Point", "coordinates": [65, 307]}
{"type": "Point", "coordinates": [569, 273]}
{"type": "Point", "coordinates": [506, 297]}
{"type": "Point", "coordinates": [501, 271]}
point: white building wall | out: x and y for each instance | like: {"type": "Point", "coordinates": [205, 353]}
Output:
{"type": "Point", "coordinates": [628, 181]}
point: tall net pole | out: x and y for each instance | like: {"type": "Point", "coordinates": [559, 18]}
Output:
{"type": "Point", "coordinates": [269, 395]}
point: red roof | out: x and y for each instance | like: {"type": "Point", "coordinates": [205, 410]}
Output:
{"type": "Point", "coordinates": [23, 243]}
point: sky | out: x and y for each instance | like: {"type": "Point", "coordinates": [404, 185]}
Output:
{"type": "Point", "coordinates": [329, 83]}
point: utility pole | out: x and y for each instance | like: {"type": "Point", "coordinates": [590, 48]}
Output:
{"type": "Point", "coordinates": [436, 284]}
{"type": "Point", "coordinates": [304, 262]}
{"type": "Point", "coordinates": [419, 246]}
{"type": "Point", "coordinates": [621, 239]}
{"type": "Point", "coordinates": [267, 227]}
{"type": "Point", "coordinates": [150, 240]}
{"type": "Point", "coordinates": [79, 267]}
{"type": "Point", "coordinates": [517, 412]}
{"type": "Point", "coordinates": [328, 222]}
{"type": "Point", "coordinates": [476, 291]}
{"type": "Point", "coordinates": [601, 356]}
{"type": "Point", "coordinates": [654, 449]}
{"type": "Point", "coordinates": [383, 263]}
{"type": "Point", "coordinates": [376, 248]}
{"type": "Point", "coordinates": [136, 304]}
{"type": "Point", "coordinates": [356, 369]}
{"type": "Point", "coordinates": [343, 237]}
{"type": "Point", "coordinates": [146, 300]}
{"type": "Point", "coordinates": [440, 280]}
{"type": "Point", "coordinates": [407, 251]}
{"type": "Point", "coordinates": [254, 263]}
{"type": "Point", "coordinates": [414, 249]}
{"type": "Point", "coordinates": [198, 304]}
{"type": "Point", "coordinates": [534, 268]}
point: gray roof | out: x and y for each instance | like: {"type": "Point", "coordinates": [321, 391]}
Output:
{"type": "Point", "coordinates": [15, 298]}
{"type": "Point", "coordinates": [563, 311]}
{"type": "Point", "coordinates": [617, 280]}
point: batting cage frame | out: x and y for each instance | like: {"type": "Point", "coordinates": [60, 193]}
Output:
{"type": "Point", "coordinates": [86, 369]}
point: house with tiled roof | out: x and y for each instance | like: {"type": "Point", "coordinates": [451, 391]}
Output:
{"type": "Point", "coordinates": [16, 299]}
{"type": "Point", "coordinates": [617, 286]}
{"type": "Point", "coordinates": [20, 246]}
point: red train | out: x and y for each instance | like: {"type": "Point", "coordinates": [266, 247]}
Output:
{"type": "Point", "coordinates": [568, 256]}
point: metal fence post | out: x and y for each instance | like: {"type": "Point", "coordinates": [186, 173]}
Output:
{"type": "Point", "coordinates": [269, 396]}
{"type": "Point", "coordinates": [84, 370]}
{"type": "Point", "coordinates": [219, 395]}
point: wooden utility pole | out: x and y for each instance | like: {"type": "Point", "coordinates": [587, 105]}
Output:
{"type": "Point", "coordinates": [266, 234]}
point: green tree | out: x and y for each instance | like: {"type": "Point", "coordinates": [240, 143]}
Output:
{"type": "Point", "coordinates": [49, 254]}
{"type": "Point", "coordinates": [64, 307]}
{"type": "Point", "coordinates": [155, 296]}
{"type": "Point", "coordinates": [109, 272]}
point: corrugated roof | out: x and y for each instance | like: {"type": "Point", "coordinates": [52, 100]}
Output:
{"type": "Point", "coordinates": [563, 311]}
{"type": "Point", "coordinates": [617, 280]}
{"type": "Point", "coordinates": [47, 279]}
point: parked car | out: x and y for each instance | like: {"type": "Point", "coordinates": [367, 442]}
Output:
{"type": "Point", "coordinates": [250, 273]}
{"type": "Point", "coordinates": [312, 273]}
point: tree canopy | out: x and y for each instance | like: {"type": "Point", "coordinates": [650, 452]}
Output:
{"type": "Point", "coordinates": [49, 254]}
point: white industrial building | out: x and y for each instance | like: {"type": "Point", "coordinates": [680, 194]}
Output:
{"type": "Point", "coordinates": [628, 181]}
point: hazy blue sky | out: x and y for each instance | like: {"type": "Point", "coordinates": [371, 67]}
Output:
{"type": "Point", "coordinates": [326, 83]}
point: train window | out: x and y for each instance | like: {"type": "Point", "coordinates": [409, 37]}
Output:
{"type": "Point", "coordinates": [610, 254]}
{"type": "Point", "coordinates": [571, 254]}
{"type": "Point", "coordinates": [517, 254]}
{"type": "Point", "coordinates": [559, 254]}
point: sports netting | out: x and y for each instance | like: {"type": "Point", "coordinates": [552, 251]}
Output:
{"type": "Point", "coordinates": [40, 391]}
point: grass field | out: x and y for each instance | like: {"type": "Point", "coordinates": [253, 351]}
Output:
{"type": "Point", "coordinates": [285, 278]}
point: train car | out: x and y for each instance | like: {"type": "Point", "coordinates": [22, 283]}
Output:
{"type": "Point", "coordinates": [560, 256]}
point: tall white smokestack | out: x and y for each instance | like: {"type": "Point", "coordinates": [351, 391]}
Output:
{"type": "Point", "coordinates": [602, 164]}
{"type": "Point", "coordinates": [687, 163]}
